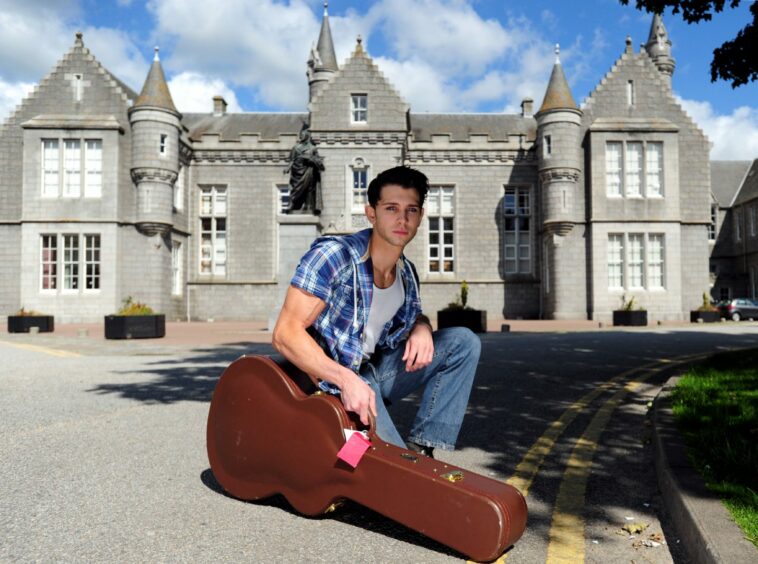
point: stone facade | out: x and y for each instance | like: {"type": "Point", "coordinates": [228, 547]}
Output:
{"type": "Point", "coordinates": [189, 215]}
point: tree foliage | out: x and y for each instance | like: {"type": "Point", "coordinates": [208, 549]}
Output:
{"type": "Point", "coordinates": [735, 60]}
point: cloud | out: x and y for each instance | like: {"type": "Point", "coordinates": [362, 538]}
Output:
{"type": "Point", "coordinates": [263, 45]}
{"type": "Point", "coordinates": [462, 42]}
{"type": "Point", "coordinates": [193, 92]}
{"type": "Point", "coordinates": [35, 35]}
{"type": "Point", "coordinates": [11, 95]}
{"type": "Point", "coordinates": [419, 84]}
{"type": "Point", "coordinates": [734, 136]}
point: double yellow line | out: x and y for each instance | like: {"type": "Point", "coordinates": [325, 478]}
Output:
{"type": "Point", "coordinates": [566, 536]}
{"type": "Point", "coordinates": [44, 350]}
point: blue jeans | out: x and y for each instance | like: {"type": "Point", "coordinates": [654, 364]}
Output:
{"type": "Point", "coordinates": [446, 386]}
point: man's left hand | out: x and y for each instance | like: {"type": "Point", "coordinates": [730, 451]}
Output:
{"type": "Point", "coordinates": [419, 348]}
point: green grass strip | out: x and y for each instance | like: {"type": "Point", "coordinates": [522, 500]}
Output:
{"type": "Point", "coordinates": [716, 407]}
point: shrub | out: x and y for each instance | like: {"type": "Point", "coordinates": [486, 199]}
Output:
{"type": "Point", "coordinates": [131, 307]}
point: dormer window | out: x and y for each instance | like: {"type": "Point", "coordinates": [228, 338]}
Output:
{"type": "Point", "coordinates": [359, 108]}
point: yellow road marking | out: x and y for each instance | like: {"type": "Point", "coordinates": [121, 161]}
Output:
{"type": "Point", "coordinates": [45, 350]}
{"type": "Point", "coordinates": [566, 536]}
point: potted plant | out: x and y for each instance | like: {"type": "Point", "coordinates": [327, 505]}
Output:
{"type": "Point", "coordinates": [135, 320]}
{"type": "Point", "coordinates": [25, 319]}
{"type": "Point", "coordinates": [706, 313]}
{"type": "Point", "coordinates": [629, 315]}
{"type": "Point", "coordinates": [460, 314]}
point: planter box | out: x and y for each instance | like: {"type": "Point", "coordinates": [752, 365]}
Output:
{"type": "Point", "coordinates": [474, 319]}
{"type": "Point", "coordinates": [706, 316]}
{"type": "Point", "coordinates": [22, 323]}
{"type": "Point", "coordinates": [634, 318]}
{"type": "Point", "coordinates": [135, 326]}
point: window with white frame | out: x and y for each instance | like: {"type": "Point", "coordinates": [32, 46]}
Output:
{"type": "Point", "coordinates": [179, 189]}
{"type": "Point", "coordinates": [547, 146]}
{"type": "Point", "coordinates": [177, 270]}
{"type": "Point", "coordinates": [655, 253]}
{"type": "Point", "coordinates": [634, 169]}
{"type": "Point", "coordinates": [72, 167]}
{"type": "Point", "coordinates": [93, 168]}
{"type": "Point", "coordinates": [713, 225]}
{"type": "Point", "coordinates": [49, 262]}
{"type": "Point", "coordinates": [213, 230]}
{"type": "Point", "coordinates": [163, 144]}
{"type": "Point", "coordinates": [636, 261]}
{"type": "Point", "coordinates": [517, 225]}
{"type": "Point", "coordinates": [359, 108]}
{"type": "Point", "coordinates": [359, 177]}
{"type": "Point", "coordinates": [615, 261]}
{"type": "Point", "coordinates": [630, 94]}
{"type": "Point", "coordinates": [71, 262]}
{"type": "Point", "coordinates": [440, 213]}
{"type": "Point", "coordinates": [50, 168]}
{"type": "Point", "coordinates": [80, 271]}
{"type": "Point", "coordinates": [283, 195]}
{"type": "Point", "coordinates": [613, 168]}
{"type": "Point", "coordinates": [92, 262]}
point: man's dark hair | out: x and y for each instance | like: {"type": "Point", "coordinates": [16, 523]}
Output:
{"type": "Point", "coordinates": [404, 176]}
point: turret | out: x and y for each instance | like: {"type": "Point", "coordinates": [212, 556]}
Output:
{"type": "Point", "coordinates": [155, 151]}
{"type": "Point", "coordinates": [658, 46]}
{"type": "Point", "coordinates": [322, 62]}
{"type": "Point", "coordinates": [558, 124]}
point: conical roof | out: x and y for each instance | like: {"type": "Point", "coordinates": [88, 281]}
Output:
{"type": "Point", "coordinates": [325, 45]}
{"type": "Point", "coordinates": [558, 95]}
{"type": "Point", "coordinates": [155, 92]}
{"type": "Point", "coordinates": [658, 42]}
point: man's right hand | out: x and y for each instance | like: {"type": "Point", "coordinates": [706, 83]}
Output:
{"type": "Point", "coordinates": [358, 396]}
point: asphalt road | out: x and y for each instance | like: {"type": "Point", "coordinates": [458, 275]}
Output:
{"type": "Point", "coordinates": [103, 454]}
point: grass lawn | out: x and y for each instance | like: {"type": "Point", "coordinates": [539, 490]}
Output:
{"type": "Point", "coordinates": [716, 407]}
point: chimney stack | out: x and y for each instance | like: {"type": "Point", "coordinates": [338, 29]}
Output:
{"type": "Point", "coordinates": [527, 107]}
{"type": "Point", "coordinates": [219, 106]}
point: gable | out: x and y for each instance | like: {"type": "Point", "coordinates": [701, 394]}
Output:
{"type": "Point", "coordinates": [331, 109]}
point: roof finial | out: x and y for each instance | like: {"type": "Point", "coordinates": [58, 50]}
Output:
{"type": "Point", "coordinates": [79, 42]}
{"type": "Point", "coordinates": [156, 57]}
{"type": "Point", "coordinates": [359, 44]}
{"type": "Point", "coordinates": [628, 43]}
{"type": "Point", "coordinates": [557, 52]}
{"type": "Point", "coordinates": [326, 7]}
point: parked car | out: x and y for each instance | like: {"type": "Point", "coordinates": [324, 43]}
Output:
{"type": "Point", "coordinates": [739, 308]}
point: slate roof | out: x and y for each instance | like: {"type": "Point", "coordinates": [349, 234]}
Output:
{"type": "Point", "coordinates": [155, 92]}
{"type": "Point", "coordinates": [230, 126]}
{"type": "Point", "coordinates": [558, 94]}
{"type": "Point", "coordinates": [726, 177]}
{"type": "Point", "coordinates": [749, 189]}
{"type": "Point", "coordinates": [461, 126]}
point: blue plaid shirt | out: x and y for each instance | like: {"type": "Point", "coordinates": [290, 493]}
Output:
{"type": "Point", "coordinates": [339, 271]}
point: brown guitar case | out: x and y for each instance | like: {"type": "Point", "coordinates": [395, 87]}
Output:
{"type": "Point", "coordinates": [270, 431]}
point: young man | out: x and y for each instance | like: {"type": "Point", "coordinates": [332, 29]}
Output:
{"type": "Point", "coordinates": [352, 318]}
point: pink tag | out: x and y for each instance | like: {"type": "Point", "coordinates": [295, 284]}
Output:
{"type": "Point", "coordinates": [354, 449]}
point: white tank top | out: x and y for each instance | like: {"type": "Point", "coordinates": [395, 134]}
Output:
{"type": "Point", "coordinates": [384, 305]}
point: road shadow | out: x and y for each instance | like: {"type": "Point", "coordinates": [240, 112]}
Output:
{"type": "Point", "coordinates": [525, 382]}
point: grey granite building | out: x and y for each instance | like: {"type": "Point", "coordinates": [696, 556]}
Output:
{"type": "Point", "coordinates": [562, 213]}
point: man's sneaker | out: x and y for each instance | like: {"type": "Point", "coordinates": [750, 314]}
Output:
{"type": "Point", "coordinates": [421, 449]}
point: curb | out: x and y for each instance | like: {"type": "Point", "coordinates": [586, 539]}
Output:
{"type": "Point", "coordinates": [700, 520]}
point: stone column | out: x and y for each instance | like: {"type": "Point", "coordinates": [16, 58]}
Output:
{"type": "Point", "coordinates": [296, 233]}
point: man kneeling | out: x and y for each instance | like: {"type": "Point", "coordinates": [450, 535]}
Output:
{"type": "Point", "coordinates": [352, 318]}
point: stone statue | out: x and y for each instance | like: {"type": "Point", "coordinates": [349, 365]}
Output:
{"type": "Point", "coordinates": [305, 166]}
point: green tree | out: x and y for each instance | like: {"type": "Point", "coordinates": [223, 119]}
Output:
{"type": "Point", "coordinates": [736, 60]}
